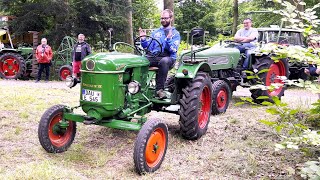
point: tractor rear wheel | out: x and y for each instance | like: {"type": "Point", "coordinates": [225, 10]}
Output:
{"type": "Point", "coordinates": [276, 69]}
{"type": "Point", "coordinates": [151, 146]}
{"type": "Point", "coordinates": [64, 72]}
{"type": "Point", "coordinates": [52, 137]}
{"type": "Point", "coordinates": [12, 66]}
{"type": "Point", "coordinates": [195, 107]}
{"type": "Point", "coordinates": [221, 97]}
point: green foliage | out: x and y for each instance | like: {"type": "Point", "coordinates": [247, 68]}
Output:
{"type": "Point", "coordinates": [260, 11]}
{"type": "Point", "coordinates": [311, 170]}
{"type": "Point", "coordinates": [189, 14]}
{"type": "Point", "coordinates": [56, 19]}
{"type": "Point", "coordinates": [288, 120]}
{"type": "Point", "coordinates": [145, 15]}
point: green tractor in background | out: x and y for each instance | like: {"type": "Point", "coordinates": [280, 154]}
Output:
{"type": "Point", "coordinates": [62, 60]}
{"type": "Point", "coordinates": [15, 62]}
{"type": "Point", "coordinates": [118, 90]}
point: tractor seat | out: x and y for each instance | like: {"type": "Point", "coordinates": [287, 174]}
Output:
{"type": "Point", "coordinates": [153, 68]}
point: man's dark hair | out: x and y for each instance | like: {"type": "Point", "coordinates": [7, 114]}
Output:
{"type": "Point", "coordinates": [248, 19]}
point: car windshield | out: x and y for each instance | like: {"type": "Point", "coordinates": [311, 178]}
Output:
{"type": "Point", "coordinates": [286, 37]}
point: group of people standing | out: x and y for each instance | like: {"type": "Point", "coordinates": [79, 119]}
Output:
{"type": "Point", "coordinates": [44, 57]}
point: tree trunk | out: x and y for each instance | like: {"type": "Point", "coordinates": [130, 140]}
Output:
{"type": "Point", "coordinates": [169, 4]}
{"type": "Point", "coordinates": [129, 31]}
{"type": "Point", "coordinates": [235, 17]}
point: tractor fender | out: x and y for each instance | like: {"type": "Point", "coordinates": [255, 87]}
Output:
{"type": "Point", "coordinates": [6, 50]}
{"type": "Point", "coordinates": [192, 70]}
{"type": "Point", "coordinates": [257, 61]}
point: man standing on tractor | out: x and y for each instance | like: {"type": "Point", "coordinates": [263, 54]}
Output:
{"type": "Point", "coordinates": [169, 39]}
{"type": "Point", "coordinates": [79, 52]}
{"type": "Point", "coordinates": [44, 56]}
{"type": "Point", "coordinates": [247, 36]}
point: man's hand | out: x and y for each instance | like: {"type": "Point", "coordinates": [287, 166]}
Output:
{"type": "Point", "coordinates": [142, 33]}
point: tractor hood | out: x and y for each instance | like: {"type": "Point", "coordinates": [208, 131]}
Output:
{"type": "Point", "coordinates": [113, 61]}
{"type": "Point", "coordinates": [216, 57]}
{"type": "Point", "coordinates": [218, 52]}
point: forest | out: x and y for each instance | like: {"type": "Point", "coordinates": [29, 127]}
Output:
{"type": "Point", "coordinates": [58, 18]}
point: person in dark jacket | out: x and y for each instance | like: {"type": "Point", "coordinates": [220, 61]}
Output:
{"type": "Point", "coordinates": [44, 56]}
{"type": "Point", "coordinates": [80, 50]}
{"type": "Point", "coordinates": [169, 38]}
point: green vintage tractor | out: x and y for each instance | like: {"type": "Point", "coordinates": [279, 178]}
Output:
{"type": "Point", "coordinates": [118, 90]}
{"type": "Point", "coordinates": [62, 60]}
{"type": "Point", "coordinates": [14, 62]}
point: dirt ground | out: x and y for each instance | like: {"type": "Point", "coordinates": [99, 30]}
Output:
{"type": "Point", "coordinates": [236, 145]}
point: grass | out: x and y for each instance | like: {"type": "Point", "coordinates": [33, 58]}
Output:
{"type": "Point", "coordinates": [236, 145]}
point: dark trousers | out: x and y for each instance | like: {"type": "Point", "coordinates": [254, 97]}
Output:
{"type": "Point", "coordinates": [43, 66]}
{"type": "Point", "coordinates": [164, 64]}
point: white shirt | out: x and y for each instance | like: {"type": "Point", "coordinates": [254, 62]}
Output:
{"type": "Point", "coordinates": [248, 32]}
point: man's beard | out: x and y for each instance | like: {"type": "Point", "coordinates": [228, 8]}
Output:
{"type": "Point", "coordinates": [165, 24]}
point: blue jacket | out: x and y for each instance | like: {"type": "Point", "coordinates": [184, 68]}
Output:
{"type": "Point", "coordinates": [170, 45]}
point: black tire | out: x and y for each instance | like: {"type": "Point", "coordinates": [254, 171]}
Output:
{"type": "Point", "coordinates": [280, 68]}
{"type": "Point", "coordinates": [151, 146]}
{"type": "Point", "coordinates": [64, 72]}
{"type": "Point", "coordinates": [221, 95]}
{"type": "Point", "coordinates": [12, 66]}
{"type": "Point", "coordinates": [195, 114]}
{"type": "Point", "coordinates": [169, 84]}
{"type": "Point", "coordinates": [55, 142]}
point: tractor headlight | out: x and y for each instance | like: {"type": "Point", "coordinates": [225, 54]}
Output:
{"type": "Point", "coordinates": [90, 65]}
{"type": "Point", "coordinates": [71, 81]}
{"type": "Point", "coordinates": [134, 87]}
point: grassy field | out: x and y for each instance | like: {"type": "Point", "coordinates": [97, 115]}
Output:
{"type": "Point", "coordinates": [236, 145]}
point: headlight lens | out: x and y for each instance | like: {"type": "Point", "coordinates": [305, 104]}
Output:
{"type": "Point", "coordinates": [90, 65]}
{"type": "Point", "coordinates": [134, 87]}
{"type": "Point", "coordinates": [71, 81]}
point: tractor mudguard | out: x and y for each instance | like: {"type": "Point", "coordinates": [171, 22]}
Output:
{"type": "Point", "coordinates": [254, 66]}
{"type": "Point", "coordinates": [5, 50]}
{"type": "Point", "coordinates": [189, 71]}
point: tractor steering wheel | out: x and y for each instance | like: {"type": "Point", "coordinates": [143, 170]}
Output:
{"type": "Point", "coordinates": [146, 51]}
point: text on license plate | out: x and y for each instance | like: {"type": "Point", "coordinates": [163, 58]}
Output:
{"type": "Point", "coordinates": [90, 95]}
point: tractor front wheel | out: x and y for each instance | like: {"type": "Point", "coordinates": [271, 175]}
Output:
{"type": "Point", "coordinates": [221, 97]}
{"type": "Point", "coordinates": [195, 107]}
{"type": "Point", "coordinates": [64, 72]}
{"type": "Point", "coordinates": [280, 68]}
{"type": "Point", "coordinates": [151, 146]}
{"type": "Point", "coordinates": [12, 66]}
{"type": "Point", "coordinates": [53, 137]}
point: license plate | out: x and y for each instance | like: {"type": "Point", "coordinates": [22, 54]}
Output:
{"type": "Point", "coordinates": [90, 95]}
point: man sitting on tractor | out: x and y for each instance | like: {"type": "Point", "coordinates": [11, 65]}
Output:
{"type": "Point", "coordinates": [169, 39]}
{"type": "Point", "coordinates": [247, 36]}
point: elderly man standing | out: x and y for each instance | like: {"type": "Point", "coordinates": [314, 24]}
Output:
{"type": "Point", "coordinates": [44, 56]}
{"type": "Point", "coordinates": [80, 50]}
{"type": "Point", "coordinates": [247, 36]}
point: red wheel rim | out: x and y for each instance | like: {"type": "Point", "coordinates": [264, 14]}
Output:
{"type": "Point", "coordinates": [222, 98]}
{"type": "Point", "coordinates": [59, 140]}
{"type": "Point", "coordinates": [204, 107]}
{"type": "Point", "coordinates": [64, 73]}
{"type": "Point", "coordinates": [9, 67]}
{"type": "Point", "coordinates": [155, 147]}
{"type": "Point", "coordinates": [276, 69]}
